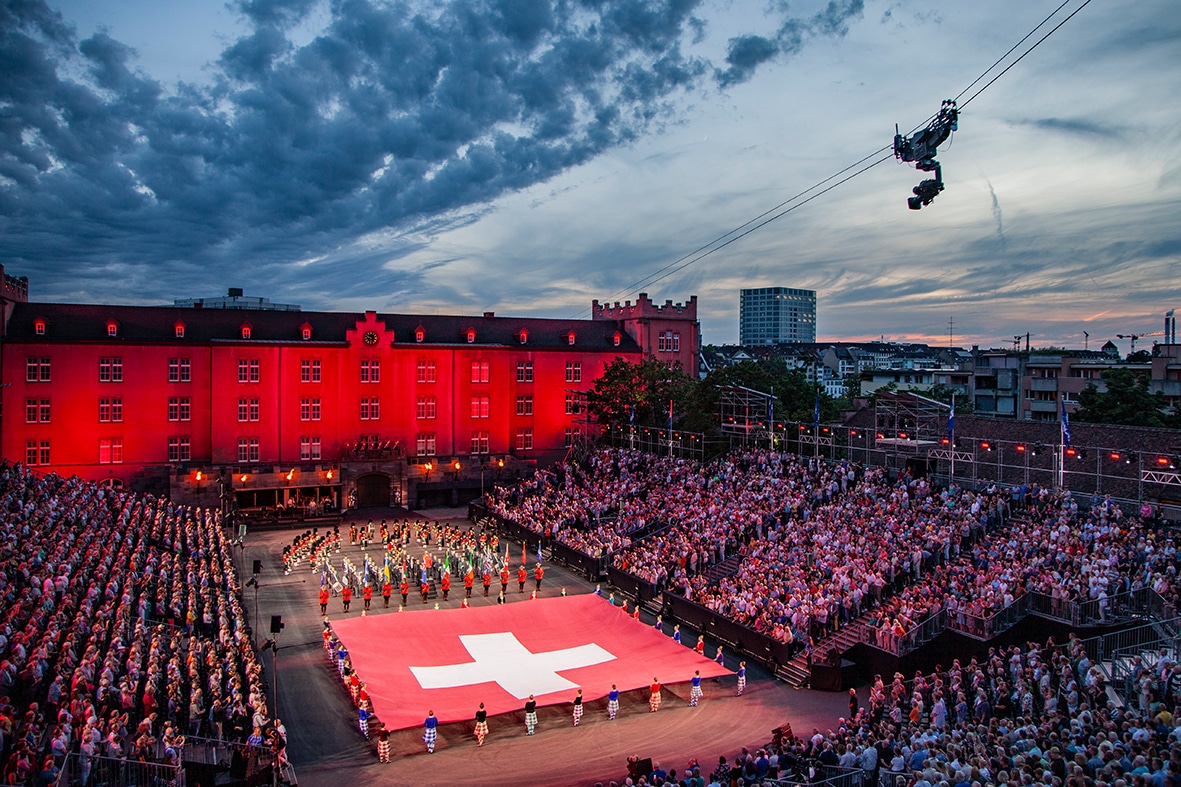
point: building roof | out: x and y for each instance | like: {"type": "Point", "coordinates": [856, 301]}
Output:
{"type": "Point", "coordinates": [148, 324]}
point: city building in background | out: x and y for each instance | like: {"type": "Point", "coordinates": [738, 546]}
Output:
{"type": "Point", "coordinates": [776, 315]}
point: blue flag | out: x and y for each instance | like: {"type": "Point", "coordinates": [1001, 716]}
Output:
{"type": "Point", "coordinates": [539, 550]}
{"type": "Point", "coordinates": [771, 413]}
{"type": "Point", "coordinates": [632, 416]}
{"type": "Point", "coordinates": [670, 415]}
{"type": "Point", "coordinates": [816, 414]}
{"type": "Point", "coordinates": [1065, 426]}
{"type": "Point", "coordinates": [951, 421]}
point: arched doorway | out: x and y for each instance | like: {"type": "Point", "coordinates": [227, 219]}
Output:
{"type": "Point", "coordinates": [373, 490]}
{"type": "Point", "coordinates": [111, 483]}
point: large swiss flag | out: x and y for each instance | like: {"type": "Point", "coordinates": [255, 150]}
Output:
{"type": "Point", "coordinates": [451, 660]}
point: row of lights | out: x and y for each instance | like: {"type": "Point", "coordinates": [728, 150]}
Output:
{"type": "Point", "coordinates": [290, 476]}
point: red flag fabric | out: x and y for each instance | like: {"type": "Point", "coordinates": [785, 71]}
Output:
{"type": "Point", "coordinates": [450, 661]}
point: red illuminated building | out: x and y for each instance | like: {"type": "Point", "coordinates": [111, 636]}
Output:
{"type": "Point", "coordinates": [280, 407]}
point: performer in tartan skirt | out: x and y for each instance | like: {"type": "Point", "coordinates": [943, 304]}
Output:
{"type": "Point", "coordinates": [654, 698]}
{"type": "Point", "coordinates": [383, 744]}
{"type": "Point", "coordinates": [613, 702]}
{"type": "Point", "coordinates": [430, 731]}
{"type": "Point", "coordinates": [481, 724]}
{"type": "Point", "coordinates": [578, 708]}
{"type": "Point", "coordinates": [695, 692]}
{"type": "Point", "coordinates": [530, 715]}
{"type": "Point", "coordinates": [741, 677]}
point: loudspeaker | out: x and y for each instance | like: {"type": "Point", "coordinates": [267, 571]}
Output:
{"type": "Point", "coordinates": [258, 567]}
{"type": "Point", "coordinates": [276, 624]}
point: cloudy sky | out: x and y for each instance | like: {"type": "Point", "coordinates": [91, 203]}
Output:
{"type": "Point", "coordinates": [527, 157]}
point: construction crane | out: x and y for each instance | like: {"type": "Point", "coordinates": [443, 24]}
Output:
{"type": "Point", "coordinates": [1135, 336]}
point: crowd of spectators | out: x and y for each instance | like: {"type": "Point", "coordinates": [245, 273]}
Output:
{"type": "Point", "coordinates": [1019, 716]}
{"type": "Point", "coordinates": [121, 631]}
{"type": "Point", "coordinates": [821, 543]}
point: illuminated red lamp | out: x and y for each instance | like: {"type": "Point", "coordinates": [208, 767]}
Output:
{"type": "Point", "coordinates": [985, 445]}
{"type": "Point", "coordinates": [1071, 452]}
{"type": "Point", "coordinates": [802, 427]}
{"type": "Point", "coordinates": [881, 436]}
{"type": "Point", "coordinates": [1020, 448]}
{"type": "Point", "coordinates": [1114, 456]}
{"type": "Point", "coordinates": [852, 433]}
{"type": "Point", "coordinates": [902, 435]}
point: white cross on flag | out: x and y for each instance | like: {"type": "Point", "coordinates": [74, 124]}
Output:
{"type": "Point", "coordinates": [450, 661]}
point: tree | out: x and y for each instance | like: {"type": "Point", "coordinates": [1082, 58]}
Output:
{"type": "Point", "coordinates": [1127, 401]}
{"type": "Point", "coordinates": [647, 386]}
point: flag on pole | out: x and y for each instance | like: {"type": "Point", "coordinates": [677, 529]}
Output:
{"type": "Point", "coordinates": [670, 415]}
{"type": "Point", "coordinates": [632, 415]}
{"type": "Point", "coordinates": [951, 421]}
{"type": "Point", "coordinates": [771, 412]}
{"type": "Point", "coordinates": [816, 414]}
{"type": "Point", "coordinates": [524, 556]}
{"type": "Point", "coordinates": [1065, 426]}
{"type": "Point", "coordinates": [539, 550]}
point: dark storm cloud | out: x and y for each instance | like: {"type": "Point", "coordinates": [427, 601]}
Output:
{"type": "Point", "coordinates": [391, 115]}
{"type": "Point", "coordinates": [747, 52]}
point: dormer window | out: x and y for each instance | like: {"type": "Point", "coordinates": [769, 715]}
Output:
{"type": "Point", "coordinates": [305, 331]}
{"type": "Point", "coordinates": [179, 329]}
{"type": "Point", "coordinates": [39, 327]}
{"type": "Point", "coordinates": [617, 338]}
{"type": "Point", "coordinates": [419, 334]}
{"type": "Point", "coordinates": [112, 328]}
{"type": "Point", "coordinates": [471, 335]}
{"type": "Point", "coordinates": [570, 338]}
{"type": "Point", "coordinates": [523, 336]}
{"type": "Point", "coordinates": [246, 330]}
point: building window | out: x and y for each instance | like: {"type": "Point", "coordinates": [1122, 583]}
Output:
{"type": "Point", "coordinates": [371, 371]}
{"type": "Point", "coordinates": [524, 371]}
{"type": "Point", "coordinates": [524, 405]}
{"type": "Point", "coordinates": [524, 439]}
{"type": "Point", "coordinates": [36, 370]}
{"type": "Point", "coordinates": [471, 335]}
{"type": "Point", "coordinates": [112, 329]}
{"type": "Point", "coordinates": [668, 342]}
{"type": "Point", "coordinates": [305, 332]}
{"type": "Point", "coordinates": [110, 451]}
{"type": "Point", "coordinates": [110, 370]}
{"type": "Point", "coordinates": [110, 410]}
{"type": "Point", "coordinates": [248, 371]}
{"type": "Point", "coordinates": [180, 330]}
{"type": "Point", "coordinates": [246, 331]}
{"type": "Point", "coordinates": [419, 335]}
{"type": "Point", "coordinates": [247, 449]}
{"type": "Point", "coordinates": [427, 408]}
{"type": "Point", "coordinates": [179, 408]}
{"type": "Point", "coordinates": [426, 371]}
{"type": "Point", "coordinates": [424, 444]}
{"type": "Point", "coordinates": [309, 371]}
{"type": "Point", "coordinates": [179, 449]}
{"type": "Point", "coordinates": [309, 448]}
{"type": "Point", "coordinates": [370, 408]}
{"type": "Point", "coordinates": [573, 372]}
{"type": "Point", "coordinates": [617, 338]}
{"type": "Point", "coordinates": [479, 371]}
{"type": "Point", "coordinates": [248, 410]}
{"type": "Point", "coordinates": [36, 411]}
{"type": "Point", "coordinates": [309, 409]}
{"type": "Point", "coordinates": [179, 370]}
{"type": "Point", "coordinates": [572, 435]}
{"type": "Point", "coordinates": [572, 404]}
{"type": "Point", "coordinates": [479, 442]}
{"type": "Point", "coordinates": [39, 327]}
{"type": "Point", "coordinates": [570, 338]}
{"type": "Point", "coordinates": [480, 406]}
{"type": "Point", "coordinates": [523, 336]}
{"type": "Point", "coordinates": [36, 453]}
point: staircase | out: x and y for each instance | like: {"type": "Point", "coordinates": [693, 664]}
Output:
{"type": "Point", "coordinates": [719, 571]}
{"type": "Point", "coordinates": [795, 673]}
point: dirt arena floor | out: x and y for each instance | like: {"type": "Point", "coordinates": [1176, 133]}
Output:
{"type": "Point", "coordinates": [327, 749]}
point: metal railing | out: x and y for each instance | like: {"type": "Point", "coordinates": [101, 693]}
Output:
{"type": "Point", "coordinates": [78, 770]}
{"type": "Point", "coordinates": [985, 628]}
{"type": "Point", "coordinates": [828, 775]}
{"type": "Point", "coordinates": [900, 645]}
{"type": "Point", "coordinates": [890, 778]}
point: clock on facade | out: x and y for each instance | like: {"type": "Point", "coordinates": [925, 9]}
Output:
{"type": "Point", "coordinates": [370, 338]}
